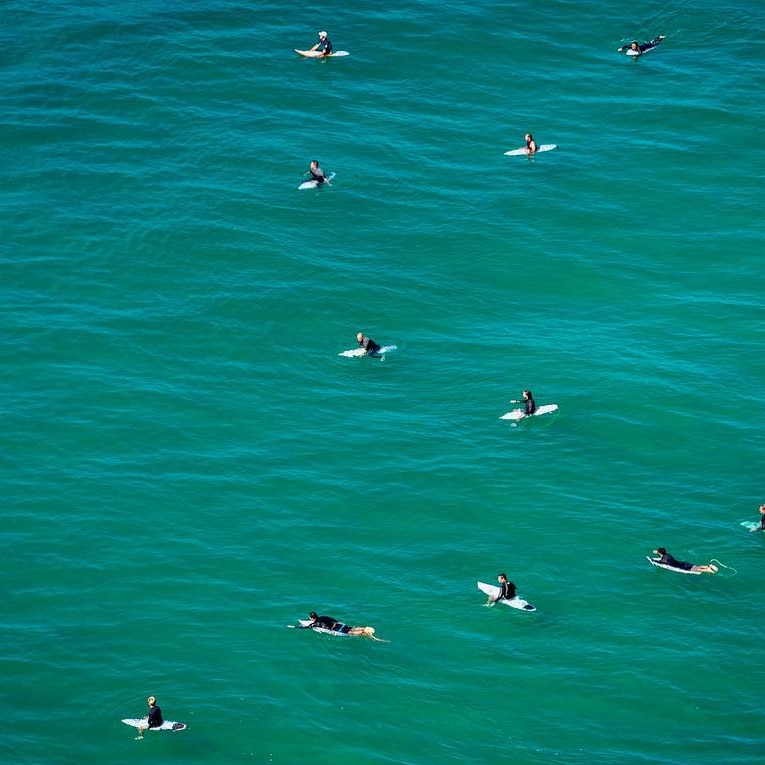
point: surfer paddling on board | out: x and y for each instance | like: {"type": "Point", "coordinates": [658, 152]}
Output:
{"type": "Point", "coordinates": [328, 623]}
{"type": "Point", "coordinates": [369, 345]}
{"type": "Point", "coordinates": [324, 46]}
{"type": "Point", "coordinates": [317, 174]}
{"type": "Point", "coordinates": [667, 560]}
{"type": "Point", "coordinates": [507, 590]}
{"type": "Point", "coordinates": [154, 719]}
{"type": "Point", "coordinates": [531, 145]}
{"type": "Point", "coordinates": [637, 49]}
{"type": "Point", "coordinates": [761, 526]}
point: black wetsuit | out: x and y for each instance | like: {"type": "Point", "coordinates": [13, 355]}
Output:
{"type": "Point", "coordinates": [506, 591]}
{"type": "Point", "coordinates": [327, 623]}
{"type": "Point", "coordinates": [531, 406]}
{"type": "Point", "coordinates": [668, 560]}
{"type": "Point", "coordinates": [325, 46]}
{"type": "Point", "coordinates": [155, 717]}
{"type": "Point", "coordinates": [369, 345]}
{"type": "Point", "coordinates": [318, 175]}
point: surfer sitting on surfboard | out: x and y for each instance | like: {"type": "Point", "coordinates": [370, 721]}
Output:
{"type": "Point", "coordinates": [328, 623]}
{"type": "Point", "coordinates": [667, 560]}
{"type": "Point", "coordinates": [531, 144]}
{"type": "Point", "coordinates": [507, 590]}
{"type": "Point", "coordinates": [369, 345]}
{"type": "Point", "coordinates": [761, 526]}
{"type": "Point", "coordinates": [636, 49]}
{"type": "Point", "coordinates": [154, 720]}
{"type": "Point", "coordinates": [529, 403]}
{"type": "Point", "coordinates": [324, 46]}
{"type": "Point", "coordinates": [317, 174]}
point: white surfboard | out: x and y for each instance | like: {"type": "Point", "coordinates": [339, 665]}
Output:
{"type": "Point", "coordinates": [751, 525]}
{"type": "Point", "coordinates": [314, 184]}
{"type": "Point", "coordinates": [522, 152]}
{"type": "Point", "coordinates": [519, 414]}
{"type": "Point", "coordinates": [361, 352]}
{"type": "Point", "coordinates": [677, 570]}
{"type": "Point", "coordinates": [319, 54]}
{"type": "Point", "coordinates": [515, 602]}
{"type": "Point", "coordinates": [135, 722]}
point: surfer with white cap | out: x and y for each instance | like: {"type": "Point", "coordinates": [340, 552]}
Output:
{"type": "Point", "coordinates": [324, 46]}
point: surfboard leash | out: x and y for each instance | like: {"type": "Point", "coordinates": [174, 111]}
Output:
{"type": "Point", "coordinates": [730, 568]}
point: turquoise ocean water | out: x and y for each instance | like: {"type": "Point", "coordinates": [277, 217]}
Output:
{"type": "Point", "coordinates": [188, 465]}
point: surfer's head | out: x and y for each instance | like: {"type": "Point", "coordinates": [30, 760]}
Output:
{"type": "Point", "coordinates": [502, 577]}
{"type": "Point", "coordinates": [527, 394]}
{"type": "Point", "coordinates": [322, 35]}
{"type": "Point", "coordinates": [634, 45]}
{"type": "Point", "coordinates": [762, 509]}
{"type": "Point", "coordinates": [151, 701]}
{"type": "Point", "coordinates": [661, 551]}
{"type": "Point", "coordinates": [313, 615]}
{"type": "Point", "coordinates": [360, 336]}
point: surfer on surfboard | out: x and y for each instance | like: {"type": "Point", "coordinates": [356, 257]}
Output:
{"type": "Point", "coordinates": [528, 403]}
{"type": "Point", "coordinates": [154, 720]}
{"type": "Point", "coordinates": [317, 174]}
{"type": "Point", "coordinates": [637, 49]}
{"type": "Point", "coordinates": [369, 345]}
{"type": "Point", "coordinates": [761, 525]}
{"type": "Point", "coordinates": [332, 625]}
{"type": "Point", "coordinates": [324, 46]}
{"type": "Point", "coordinates": [666, 559]}
{"type": "Point", "coordinates": [531, 144]}
{"type": "Point", "coordinates": [507, 590]}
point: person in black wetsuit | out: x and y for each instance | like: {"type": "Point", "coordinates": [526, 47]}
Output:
{"type": "Point", "coordinates": [324, 46]}
{"type": "Point", "coordinates": [531, 145]}
{"type": "Point", "coordinates": [154, 719]}
{"type": "Point", "coordinates": [507, 590]}
{"type": "Point", "coordinates": [761, 527]}
{"type": "Point", "coordinates": [640, 48]}
{"type": "Point", "coordinates": [529, 403]}
{"type": "Point", "coordinates": [317, 174]}
{"type": "Point", "coordinates": [668, 560]}
{"type": "Point", "coordinates": [369, 345]}
{"type": "Point", "coordinates": [331, 624]}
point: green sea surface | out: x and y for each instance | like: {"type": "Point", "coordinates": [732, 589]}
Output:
{"type": "Point", "coordinates": [188, 466]}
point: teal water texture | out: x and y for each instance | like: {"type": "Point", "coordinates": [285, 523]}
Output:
{"type": "Point", "coordinates": [188, 466]}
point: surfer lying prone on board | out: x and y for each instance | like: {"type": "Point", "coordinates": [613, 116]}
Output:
{"type": "Point", "coordinates": [332, 625]}
{"type": "Point", "coordinates": [667, 560]}
{"type": "Point", "coordinates": [637, 49]}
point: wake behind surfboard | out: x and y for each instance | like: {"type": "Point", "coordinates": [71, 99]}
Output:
{"type": "Point", "coordinates": [516, 602]}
